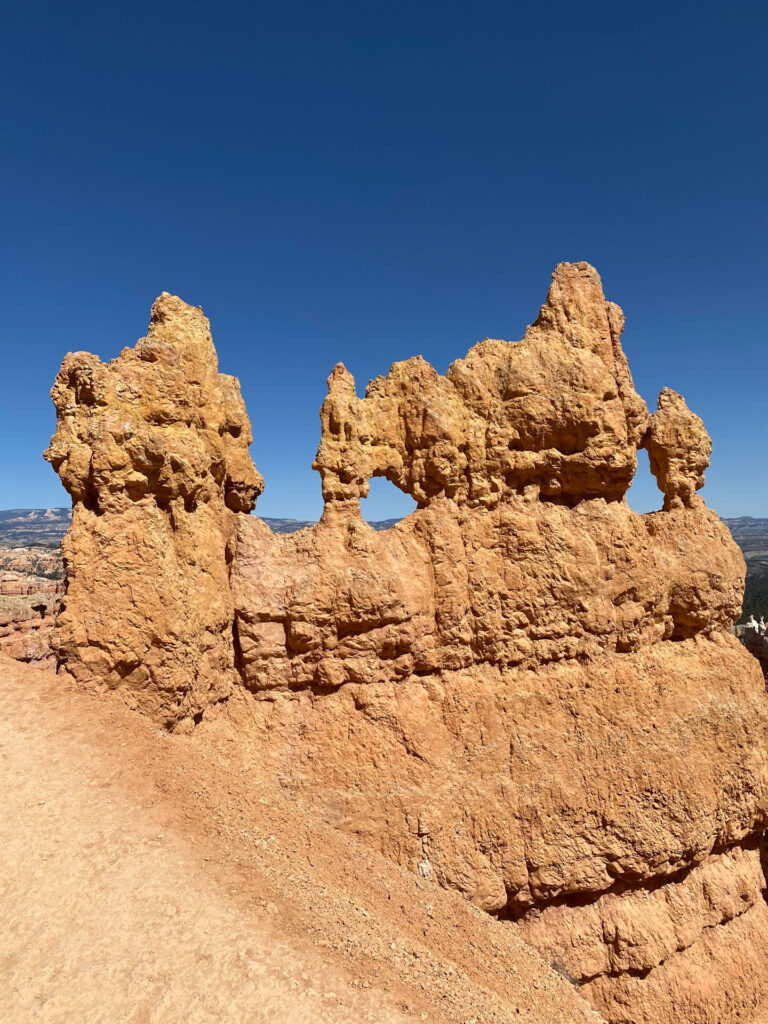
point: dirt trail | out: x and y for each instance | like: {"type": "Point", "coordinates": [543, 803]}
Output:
{"type": "Point", "coordinates": [148, 879]}
{"type": "Point", "coordinates": [107, 916]}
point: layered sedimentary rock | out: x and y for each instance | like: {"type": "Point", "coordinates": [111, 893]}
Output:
{"type": "Point", "coordinates": [524, 690]}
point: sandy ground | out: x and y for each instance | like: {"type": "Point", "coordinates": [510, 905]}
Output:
{"type": "Point", "coordinates": [150, 878]}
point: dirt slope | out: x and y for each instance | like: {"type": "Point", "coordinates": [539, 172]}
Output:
{"type": "Point", "coordinates": [151, 878]}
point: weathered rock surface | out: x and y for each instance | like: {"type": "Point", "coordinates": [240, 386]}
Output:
{"type": "Point", "coordinates": [556, 411]}
{"type": "Point", "coordinates": [153, 448]}
{"type": "Point", "coordinates": [16, 584]}
{"type": "Point", "coordinates": [524, 690]}
{"type": "Point", "coordinates": [644, 947]}
{"type": "Point", "coordinates": [28, 606]}
{"type": "Point", "coordinates": [127, 856]}
{"type": "Point", "coordinates": [28, 640]}
{"type": "Point", "coordinates": [679, 448]}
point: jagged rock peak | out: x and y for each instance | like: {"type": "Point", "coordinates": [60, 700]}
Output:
{"type": "Point", "coordinates": [158, 423]}
{"type": "Point", "coordinates": [556, 412]}
{"type": "Point", "coordinates": [171, 309]}
{"type": "Point", "coordinates": [576, 308]}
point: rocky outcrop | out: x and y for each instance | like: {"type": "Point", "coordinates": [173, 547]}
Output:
{"type": "Point", "coordinates": [153, 448]}
{"type": "Point", "coordinates": [28, 640]}
{"type": "Point", "coordinates": [556, 412]}
{"type": "Point", "coordinates": [13, 584]}
{"type": "Point", "coordinates": [525, 690]}
{"type": "Point", "coordinates": [679, 448]}
{"type": "Point", "coordinates": [28, 606]}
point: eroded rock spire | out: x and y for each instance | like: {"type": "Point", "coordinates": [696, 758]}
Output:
{"type": "Point", "coordinates": [153, 448]}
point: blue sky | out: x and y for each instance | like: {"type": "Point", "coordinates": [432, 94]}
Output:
{"type": "Point", "coordinates": [366, 181]}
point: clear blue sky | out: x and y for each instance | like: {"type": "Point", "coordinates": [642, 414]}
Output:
{"type": "Point", "coordinates": [367, 181]}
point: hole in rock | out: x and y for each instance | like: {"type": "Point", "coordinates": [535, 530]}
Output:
{"type": "Point", "coordinates": [644, 494]}
{"type": "Point", "coordinates": [385, 504]}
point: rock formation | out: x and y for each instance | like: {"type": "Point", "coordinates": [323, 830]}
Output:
{"type": "Point", "coordinates": [153, 449]}
{"type": "Point", "coordinates": [28, 640]}
{"type": "Point", "coordinates": [679, 448]}
{"type": "Point", "coordinates": [524, 690]}
{"type": "Point", "coordinates": [28, 606]}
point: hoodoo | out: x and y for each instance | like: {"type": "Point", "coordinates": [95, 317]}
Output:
{"type": "Point", "coordinates": [525, 690]}
{"type": "Point", "coordinates": [153, 449]}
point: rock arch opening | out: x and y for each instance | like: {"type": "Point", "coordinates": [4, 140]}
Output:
{"type": "Point", "coordinates": [644, 494]}
{"type": "Point", "coordinates": [385, 504]}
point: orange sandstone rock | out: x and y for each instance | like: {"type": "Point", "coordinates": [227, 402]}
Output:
{"type": "Point", "coordinates": [679, 448]}
{"type": "Point", "coordinates": [524, 690]}
{"type": "Point", "coordinates": [556, 411]}
{"type": "Point", "coordinates": [153, 448]}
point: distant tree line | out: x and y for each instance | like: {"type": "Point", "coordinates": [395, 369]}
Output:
{"type": "Point", "coordinates": [755, 597]}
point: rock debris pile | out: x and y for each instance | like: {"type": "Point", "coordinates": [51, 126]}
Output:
{"type": "Point", "coordinates": [525, 690]}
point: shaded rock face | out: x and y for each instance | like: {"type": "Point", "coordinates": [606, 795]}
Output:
{"type": "Point", "coordinates": [524, 690]}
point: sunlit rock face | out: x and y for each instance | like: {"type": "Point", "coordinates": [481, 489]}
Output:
{"type": "Point", "coordinates": [524, 690]}
{"type": "Point", "coordinates": [153, 448]}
